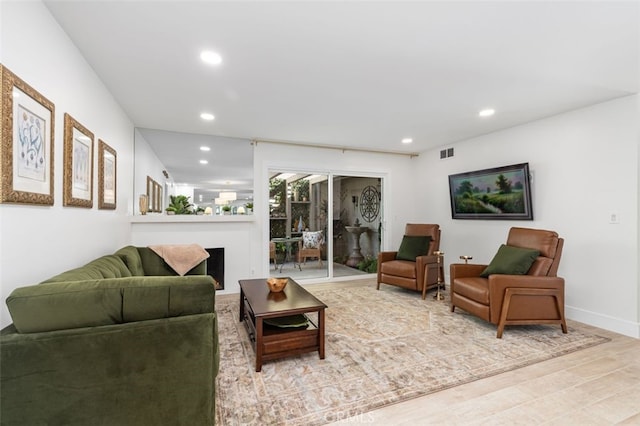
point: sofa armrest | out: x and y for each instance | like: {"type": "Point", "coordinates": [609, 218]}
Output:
{"type": "Point", "coordinates": [89, 303]}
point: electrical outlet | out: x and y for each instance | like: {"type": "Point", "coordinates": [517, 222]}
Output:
{"type": "Point", "coordinates": [614, 218]}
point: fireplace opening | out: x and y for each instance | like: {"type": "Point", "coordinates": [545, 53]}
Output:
{"type": "Point", "coordinates": [215, 266]}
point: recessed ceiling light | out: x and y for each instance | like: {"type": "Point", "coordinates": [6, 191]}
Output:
{"type": "Point", "coordinates": [487, 112]}
{"type": "Point", "coordinates": [207, 116]}
{"type": "Point", "coordinates": [205, 148]}
{"type": "Point", "coordinates": [204, 162]}
{"type": "Point", "coordinates": [407, 140]}
{"type": "Point", "coordinates": [210, 57]}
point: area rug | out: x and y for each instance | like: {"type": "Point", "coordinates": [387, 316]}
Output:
{"type": "Point", "coordinates": [382, 347]}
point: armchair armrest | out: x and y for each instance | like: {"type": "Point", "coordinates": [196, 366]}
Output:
{"type": "Point", "coordinates": [464, 270]}
{"type": "Point", "coordinates": [386, 256]}
{"type": "Point", "coordinates": [498, 284]}
{"type": "Point", "coordinates": [426, 259]}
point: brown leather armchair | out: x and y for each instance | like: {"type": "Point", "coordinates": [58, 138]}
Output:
{"type": "Point", "coordinates": [419, 275]}
{"type": "Point", "coordinates": [534, 298]}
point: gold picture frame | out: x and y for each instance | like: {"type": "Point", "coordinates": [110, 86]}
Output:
{"type": "Point", "coordinates": [26, 143]}
{"type": "Point", "coordinates": [150, 193]}
{"type": "Point", "coordinates": [157, 196]}
{"type": "Point", "coordinates": [107, 174]}
{"type": "Point", "coordinates": [78, 164]}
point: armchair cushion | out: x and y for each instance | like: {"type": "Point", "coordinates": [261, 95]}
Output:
{"type": "Point", "coordinates": [413, 246]}
{"type": "Point", "coordinates": [511, 261]}
{"type": "Point", "coordinates": [312, 240]}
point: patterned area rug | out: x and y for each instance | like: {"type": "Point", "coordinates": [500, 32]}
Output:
{"type": "Point", "coordinates": [382, 347]}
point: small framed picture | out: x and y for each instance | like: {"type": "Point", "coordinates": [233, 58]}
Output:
{"type": "Point", "coordinates": [107, 168]}
{"type": "Point", "coordinates": [26, 148]}
{"type": "Point", "coordinates": [78, 164]}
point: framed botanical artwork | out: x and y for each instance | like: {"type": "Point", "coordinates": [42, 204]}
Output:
{"type": "Point", "coordinates": [498, 193]}
{"type": "Point", "coordinates": [26, 143]}
{"type": "Point", "coordinates": [78, 164]}
{"type": "Point", "coordinates": [107, 167]}
{"type": "Point", "coordinates": [151, 193]}
{"type": "Point", "coordinates": [157, 196]}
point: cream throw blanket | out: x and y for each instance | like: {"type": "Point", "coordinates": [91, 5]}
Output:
{"type": "Point", "coordinates": [181, 257]}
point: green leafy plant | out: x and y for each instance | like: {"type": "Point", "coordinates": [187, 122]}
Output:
{"type": "Point", "coordinates": [368, 264]}
{"type": "Point", "coordinates": [226, 208]}
{"type": "Point", "coordinates": [180, 205]}
{"type": "Point", "coordinates": [249, 205]}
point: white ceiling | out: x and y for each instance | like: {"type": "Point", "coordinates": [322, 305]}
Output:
{"type": "Point", "coordinates": [356, 73]}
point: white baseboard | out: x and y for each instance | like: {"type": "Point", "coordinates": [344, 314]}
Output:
{"type": "Point", "coordinates": [617, 325]}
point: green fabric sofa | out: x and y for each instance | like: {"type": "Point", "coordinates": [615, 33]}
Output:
{"type": "Point", "coordinates": [120, 341]}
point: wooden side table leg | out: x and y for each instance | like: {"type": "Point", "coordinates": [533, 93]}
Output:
{"type": "Point", "coordinates": [241, 305]}
{"type": "Point", "coordinates": [259, 328]}
{"type": "Point", "coordinates": [321, 333]}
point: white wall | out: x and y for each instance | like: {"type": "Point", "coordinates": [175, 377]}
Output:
{"type": "Point", "coordinates": [147, 164]}
{"type": "Point", "coordinates": [585, 166]}
{"type": "Point", "coordinates": [37, 242]}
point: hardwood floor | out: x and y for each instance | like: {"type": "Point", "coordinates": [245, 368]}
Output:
{"type": "Point", "coordinates": [594, 386]}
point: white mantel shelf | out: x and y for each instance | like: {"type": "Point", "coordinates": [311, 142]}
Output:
{"type": "Point", "coordinates": [185, 218]}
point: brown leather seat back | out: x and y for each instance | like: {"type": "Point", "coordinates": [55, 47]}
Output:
{"type": "Point", "coordinates": [547, 242]}
{"type": "Point", "coordinates": [432, 230]}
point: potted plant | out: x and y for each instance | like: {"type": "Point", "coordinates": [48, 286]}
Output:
{"type": "Point", "coordinates": [179, 205]}
{"type": "Point", "coordinates": [249, 207]}
{"type": "Point", "coordinates": [226, 209]}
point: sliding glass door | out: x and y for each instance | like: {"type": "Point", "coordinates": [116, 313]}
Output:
{"type": "Point", "coordinates": [323, 225]}
{"type": "Point", "coordinates": [357, 229]}
{"type": "Point", "coordinates": [298, 225]}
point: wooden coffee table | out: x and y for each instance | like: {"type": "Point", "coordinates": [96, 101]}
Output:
{"type": "Point", "coordinates": [257, 303]}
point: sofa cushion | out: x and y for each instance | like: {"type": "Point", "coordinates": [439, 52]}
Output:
{"type": "Point", "coordinates": [413, 246]}
{"type": "Point", "coordinates": [131, 257]}
{"type": "Point", "coordinates": [110, 266]}
{"type": "Point", "coordinates": [511, 261]}
{"type": "Point", "coordinates": [95, 302]}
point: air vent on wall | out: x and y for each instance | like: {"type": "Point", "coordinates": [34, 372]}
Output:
{"type": "Point", "coordinates": [446, 153]}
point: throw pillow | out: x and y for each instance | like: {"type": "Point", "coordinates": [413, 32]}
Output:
{"type": "Point", "coordinates": [312, 240]}
{"type": "Point", "coordinates": [511, 261]}
{"type": "Point", "coordinates": [413, 246]}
